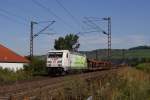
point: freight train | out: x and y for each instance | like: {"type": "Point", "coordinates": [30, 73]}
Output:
{"type": "Point", "coordinates": [64, 61]}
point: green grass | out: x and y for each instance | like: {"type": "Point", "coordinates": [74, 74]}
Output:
{"type": "Point", "coordinates": [36, 68]}
{"type": "Point", "coordinates": [8, 76]}
{"type": "Point", "coordinates": [145, 53]}
{"type": "Point", "coordinates": [144, 66]}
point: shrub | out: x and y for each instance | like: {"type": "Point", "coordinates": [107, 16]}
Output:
{"type": "Point", "coordinates": [9, 76]}
{"type": "Point", "coordinates": [36, 67]}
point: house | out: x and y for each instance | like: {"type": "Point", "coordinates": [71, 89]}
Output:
{"type": "Point", "coordinates": [10, 59]}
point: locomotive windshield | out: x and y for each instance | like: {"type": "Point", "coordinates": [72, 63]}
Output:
{"type": "Point", "coordinates": [55, 54]}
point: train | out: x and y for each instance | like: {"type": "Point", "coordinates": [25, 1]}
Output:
{"type": "Point", "coordinates": [65, 61]}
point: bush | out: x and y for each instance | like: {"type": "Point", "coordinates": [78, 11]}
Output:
{"type": "Point", "coordinates": [36, 67]}
{"type": "Point", "coordinates": [9, 76]}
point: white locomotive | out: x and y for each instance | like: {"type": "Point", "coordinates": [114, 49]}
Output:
{"type": "Point", "coordinates": [60, 61]}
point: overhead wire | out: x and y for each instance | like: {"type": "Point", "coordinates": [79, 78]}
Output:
{"type": "Point", "coordinates": [89, 25]}
{"type": "Point", "coordinates": [51, 12]}
{"type": "Point", "coordinates": [11, 19]}
{"type": "Point", "coordinates": [44, 29]}
{"type": "Point", "coordinates": [93, 25]}
{"type": "Point", "coordinates": [86, 32]}
{"type": "Point", "coordinates": [69, 13]}
{"type": "Point", "coordinates": [14, 15]}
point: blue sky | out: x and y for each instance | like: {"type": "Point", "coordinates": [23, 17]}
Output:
{"type": "Point", "coordinates": [130, 23]}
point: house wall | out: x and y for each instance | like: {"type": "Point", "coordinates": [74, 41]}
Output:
{"type": "Point", "coordinates": [12, 66]}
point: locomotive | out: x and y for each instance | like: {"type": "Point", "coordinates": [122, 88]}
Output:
{"type": "Point", "coordinates": [65, 61]}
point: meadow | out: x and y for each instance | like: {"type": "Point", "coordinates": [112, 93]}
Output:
{"type": "Point", "coordinates": [128, 84]}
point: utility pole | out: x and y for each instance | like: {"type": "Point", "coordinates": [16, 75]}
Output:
{"type": "Point", "coordinates": [123, 55]}
{"type": "Point", "coordinates": [96, 54]}
{"type": "Point", "coordinates": [89, 22]}
{"type": "Point", "coordinates": [32, 35]}
{"type": "Point", "coordinates": [31, 39]}
{"type": "Point", "coordinates": [109, 38]}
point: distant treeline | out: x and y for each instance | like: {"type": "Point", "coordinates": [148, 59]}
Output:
{"type": "Point", "coordinates": [140, 47]}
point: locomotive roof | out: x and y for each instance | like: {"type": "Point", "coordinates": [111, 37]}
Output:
{"type": "Point", "coordinates": [58, 51]}
{"type": "Point", "coordinates": [77, 53]}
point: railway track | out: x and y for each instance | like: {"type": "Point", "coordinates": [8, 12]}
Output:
{"type": "Point", "coordinates": [29, 90]}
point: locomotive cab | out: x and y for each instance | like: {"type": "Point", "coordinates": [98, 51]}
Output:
{"type": "Point", "coordinates": [58, 61]}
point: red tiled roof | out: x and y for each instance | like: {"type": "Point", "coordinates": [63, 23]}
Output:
{"type": "Point", "coordinates": [7, 55]}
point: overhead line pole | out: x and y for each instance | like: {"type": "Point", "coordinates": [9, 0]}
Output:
{"type": "Point", "coordinates": [31, 39]}
{"type": "Point", "coordinates": [109, 37]}
{"type": "Point", "coordinates": [32, 35]}
{"type": "Point", "coordinates": [108, 33]}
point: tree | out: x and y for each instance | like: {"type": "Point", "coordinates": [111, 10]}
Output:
{"type": "Point", "coordinates": [69, 42]}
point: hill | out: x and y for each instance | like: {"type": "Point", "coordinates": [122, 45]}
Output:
{"type": "Point", "coordinates": [140, 47]}
{"type": "Point", "coordinates": [118, 53]}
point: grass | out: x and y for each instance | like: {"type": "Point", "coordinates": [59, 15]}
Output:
{"type": "Point", "coordinates": [144, 66]}
{"type": "Point", "coordinates": [144, 53]}
{"type": "Point", "coordinates": [36, 68]}
{"type": "Point", "coordinates": [8, 76]}
{"type": "Point", "coordinates": [128, 84]}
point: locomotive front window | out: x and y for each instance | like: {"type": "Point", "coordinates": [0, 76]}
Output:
{"type": "Point", "coordinates": [67, 55]}
{"type": "Point", "coordinates": [55, 55]}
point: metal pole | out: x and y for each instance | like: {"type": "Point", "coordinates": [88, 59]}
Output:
{"type": "Point", "coordinates": [96, 54]}
{"type": "Point", "coordinates": [123, 55]}
{"type": "Point", "coordinates": [32, 35]}
{"type": "Point", "coordinates": [109, 38]}
{"type": "Point", "coordinates": [31, 40]}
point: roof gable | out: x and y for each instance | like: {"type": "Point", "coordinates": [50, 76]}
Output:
{"type": "Point", "coordinates": [7, 55]}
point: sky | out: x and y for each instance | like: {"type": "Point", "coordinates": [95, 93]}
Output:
{"type": "Point", "coordinates": [130, 23]}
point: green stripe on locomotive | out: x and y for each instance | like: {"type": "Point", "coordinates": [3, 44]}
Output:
{"type": "Point", "coordinates": [79, 62]}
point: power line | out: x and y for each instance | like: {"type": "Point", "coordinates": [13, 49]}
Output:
{"type": "Point", "coordinates": [68, 12]}
{"type": "Point", "coordinates": [51, 12]}
{"type": "Point", "coordinates": [89, 25]}
{"type": "Point", "coordinates": [95, 19]}
{"type": "Point", "coordinates": [11, 19]}
{"type": "Point", "coordinates": [93, 25]}
{"type": "Point", "coordinates": [40, 32]}
{"type": "Point", "coordinates": [86, 32]}
{"type": "Point", "coordinates": [32, 35]}
{"type": "Point", "coordinates": [12, 14]}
